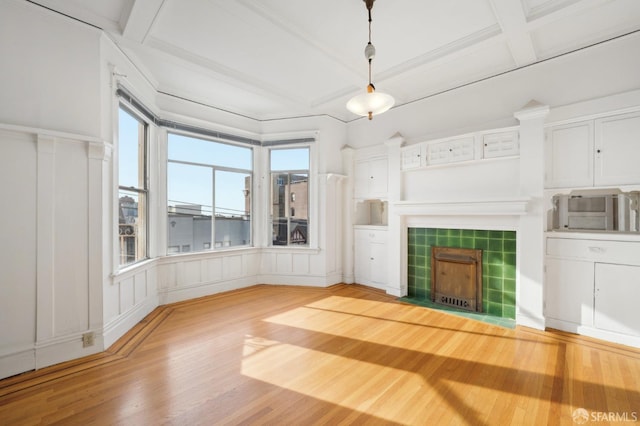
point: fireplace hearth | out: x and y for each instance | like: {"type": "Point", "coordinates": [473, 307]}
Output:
{"type": "Point", "coordinates": [456, 277]}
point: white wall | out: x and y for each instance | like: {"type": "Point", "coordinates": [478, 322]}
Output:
{"type": "Point", "coordinates": [48, 75]}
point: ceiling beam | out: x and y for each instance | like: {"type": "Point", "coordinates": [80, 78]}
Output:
{"type": "Point", "coordinates": [513, 21]}
{"type": "Point", "coordinates": [137, 24]}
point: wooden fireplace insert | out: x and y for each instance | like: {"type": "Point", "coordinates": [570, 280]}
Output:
{"type": "Point", "coordinates": [456, 277]}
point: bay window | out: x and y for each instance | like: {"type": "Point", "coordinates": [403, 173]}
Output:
{"type": "Point", "coordinates": [208, 193]}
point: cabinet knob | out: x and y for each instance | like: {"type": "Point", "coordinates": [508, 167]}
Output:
{"type": "Point", "coordinates": [598, 151]}
{"type": "Point", "coordinates": [371, 258]}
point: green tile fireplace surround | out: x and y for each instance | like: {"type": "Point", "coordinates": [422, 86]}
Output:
{"type": "Point", "coordinates": [498, 265]}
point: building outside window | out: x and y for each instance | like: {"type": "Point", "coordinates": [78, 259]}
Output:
{"type": "Point", "coordinates": [132, 187]}
{"type": "Point", "coordinates": [209, 194]}
{"type": "Point", "coordinates": [289, 212]}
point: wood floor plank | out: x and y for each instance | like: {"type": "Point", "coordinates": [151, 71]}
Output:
{"type": "Point", "coordinates": [342, 355]}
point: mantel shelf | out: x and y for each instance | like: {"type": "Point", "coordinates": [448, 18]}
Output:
{"type": "Point", "coordinates": [500, 207]}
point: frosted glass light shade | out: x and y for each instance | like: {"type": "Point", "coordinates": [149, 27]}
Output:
{"type": "Point", "coordinates": [368, 104]}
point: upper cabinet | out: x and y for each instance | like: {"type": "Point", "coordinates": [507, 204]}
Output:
{"type": "Point", "coordinates": [569, 155]}
{"type": "Point", "coordinates": [477, 146]}
{"type": "Point", "coordinates": [617, 145]}
{"type": "Point", "coordinates": [598, 152]}
{"type": "Point", "coordinates": [501, 144]}
{"type": "Point", "coordinates": [371, 178]}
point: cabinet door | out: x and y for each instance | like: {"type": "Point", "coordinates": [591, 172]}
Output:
{"type": "Point", "coordinates": [378, 258]}
{"type": "Point", "coordinates": [618, 150]}
{"type": "Point", "coordinates": [411, 157]}
{"type": "Point", "coordinates": [569, 155]}
{"type": "Point", "coordinates": [617, 293]}
{"type": "Point", "coordinates": [461, 149]}
{"type": "Point", "coordinates": [569, 290]}
{"type": "Point", "coordinates": [502, 144]}
{"type": "Point", "coordinates": [378, 184]}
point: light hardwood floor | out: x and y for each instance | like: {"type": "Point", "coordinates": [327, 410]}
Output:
{"type": "Point", "coordinates": [343, 355]}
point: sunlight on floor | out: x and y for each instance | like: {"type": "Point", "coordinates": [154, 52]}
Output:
{"type": "Point", "coordinates": [288, 366]}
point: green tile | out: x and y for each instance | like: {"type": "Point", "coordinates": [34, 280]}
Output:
{"type": "Point", "coordinates": [508, 299]}
{"type": "Point", "coordinates": [495, 257]}
{"type": "Point", "coordinates": [481, 243]}
{"type": "Point", "coordinates": [510, 259]}
{"type": "Point", "coordinates": [497, 235]}
{"type": "Point", "coordinates": [421, 250]}
{"type": "Point", "coordinates": [495, 271]}
{"type": "Point", "coordinates": [420, 240]}
{"type": "Point", "coordinates": [467, 242]}
{"type": "Point", "coordinates": [495, 283]}
{"type": "Point", "coordinates": [494, 309]}
{"type": "Point", "coordinates": [453, 242]}
{"type": "Point", "coordinates": [509, 246]}
{"type": "Point", "coordinates": [481, 233]}
{"type": "Point", "coordinates": [495, 296]}
{"type": "Point", "coordinates": [509, 284]}
{"type": "Point", "coordinates": [510, 235]}
{"type": "Point", "coordinates": [454, 233]}
{"type": "Point", "coordinates": [509, 312]}
{"type": "Point", "coordinates": [495, 245]}
{"type": "Point", "coordinates": [509, 271]}
{"type": "Point", "coordinates": [431, 232]}
{"type": "Point", "coordinates": [467, 233]}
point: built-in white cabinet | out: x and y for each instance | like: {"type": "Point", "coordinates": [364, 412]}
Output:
{"type": "Point", "coordinates": [569, 291]}
{"type": "Point", "coordinates": [371, 256]}
{"type": "Point", "coordinates": [598, 152]}
{"type": "Point", "coordinates": [617, 146]}
{"type": "Point", "coordinates": [477, 146]}
{"type": "Point", "coordinates": [451, 151]}
{"type": "Point", "coordinates": [412, 157]}
{"type": "Point", "coordinates": [371, 178]}
{"type": "Point", "coordinates": [592, 285]}
{"type": "Point", "coordinates": [617, 291]}
{"type": "Point", "coordinates": [501, 144]}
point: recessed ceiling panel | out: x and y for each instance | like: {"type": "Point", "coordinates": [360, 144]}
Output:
{"type": "Point", "coordinates": [593, 25]}
{"type": "Point", "coordinates": [448, 74]}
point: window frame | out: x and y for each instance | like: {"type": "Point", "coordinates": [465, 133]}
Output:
{"type": "Point", "coordinates": [142, 193]}
{"type": "Point", "coordinates": [214, 168]}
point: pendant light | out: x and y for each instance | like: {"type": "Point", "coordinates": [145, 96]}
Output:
{"type": "Point", "coordinates": [370, 103]}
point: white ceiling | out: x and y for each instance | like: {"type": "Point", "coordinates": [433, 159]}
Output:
{"type": "Point", "coordinates": [287, 58]}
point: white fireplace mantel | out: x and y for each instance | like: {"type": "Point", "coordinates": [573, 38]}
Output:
{"type": "Point", "coordinates": [495, 207]}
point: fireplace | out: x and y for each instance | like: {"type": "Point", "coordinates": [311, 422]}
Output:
{"type": "Point", "coordinates": [456, 277]}
{"type": "Point", "coordinates": [496, 292]}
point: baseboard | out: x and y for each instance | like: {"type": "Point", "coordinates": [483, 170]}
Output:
{"type": "Point", "coordinates": [66, 348]}
{"type": "Point", "coordinates": [608, 336]}
{"type": "Point", "coordinates": [180, 294]}
{"type": "Point", "coordinates": [304, 280]}
{"type": "Point", "coordinates": [17, 362]}
{"type": "Point", "coordinates": [117, 327]}
{"type": "Point", "coordinates": [537, 323]}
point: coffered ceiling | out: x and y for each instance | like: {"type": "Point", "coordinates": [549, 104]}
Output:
{"type": "Point", "coordinates": [287, 58]}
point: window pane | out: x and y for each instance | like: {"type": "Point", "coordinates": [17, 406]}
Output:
{"type": "Point", "coordinates": [130, 151]}
{"type": "Point", "coordinates": [290, 159]}
{"type": "Point", "coordinates": [233, 209]}
{"type": "Point", "coordinates": [131, 226]}
{"type": "Point", "coordinates": [289, 208]}
{"type": "Point", "coordinates": [190, 201]}
{"type": "Point", "coordinates": [194, 150]}
{"type": "Point", "coordinates": [279, 191]}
